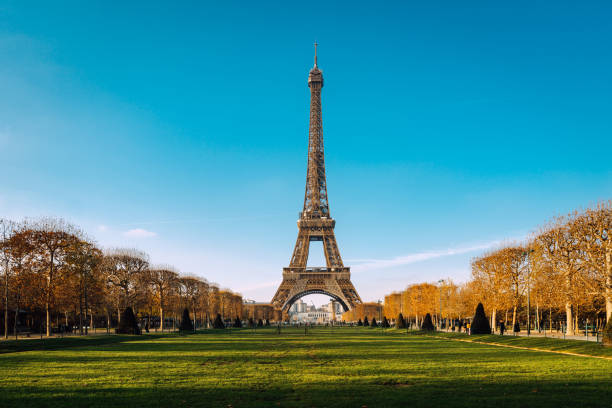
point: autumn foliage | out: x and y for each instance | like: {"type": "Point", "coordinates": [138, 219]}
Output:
{"type": "Point", "coordinates": [56, 278]}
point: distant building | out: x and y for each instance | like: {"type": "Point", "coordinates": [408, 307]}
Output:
{"type": "Point", "coordinates": [301, 312]}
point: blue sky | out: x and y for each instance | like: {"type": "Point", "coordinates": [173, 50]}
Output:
{"type": "Point", "coordinates": [182, 129]}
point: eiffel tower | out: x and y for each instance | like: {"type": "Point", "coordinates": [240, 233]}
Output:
{"type": "Point", "coordinates": [316, 224]}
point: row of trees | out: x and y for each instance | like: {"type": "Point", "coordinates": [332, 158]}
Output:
{"type": "Point", "coordinates": [563, 274]}
{"type": "Point", "coordinates": [53, 275]}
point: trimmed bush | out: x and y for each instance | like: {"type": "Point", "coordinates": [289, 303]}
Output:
{"type": "Point", "coordinates": [218, 323]}
{"type": "Point", "coordinates": [427, 323]}
{"type": "Point", "coordinates": [607, 334]}
{"type": "Point", "coordinates": [385, 322]}
{"type": "Point", "coordinates": [260, 323]}
{"type": "Point", "coordinates": [374, 324]}
{"type": "Point", "coordinates": [128, 324]}
{"type": "Point", "coordinates": [359, 323]}
{"type": "Point", "coordinates": [365, 321]}
{"type": "Point", "coordinates": [237, 322]}
{"type": "Point", "coordinates": [480, 323]}
{"type": "Point", "coordinates": [267, 322]}
{"type": "Point", "coordinates": [186, 323]}
{"type": "Point", "coordinates": [400, 323]}
{"type": "Point", "coordinates": [517, 327]}
{"type": "Point", "coordinates": [251, 322]}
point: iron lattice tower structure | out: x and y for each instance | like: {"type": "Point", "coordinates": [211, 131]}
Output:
{"type": "Point", "coordinates": [315, 224]}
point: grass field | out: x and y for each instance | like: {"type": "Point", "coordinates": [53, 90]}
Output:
{"type": "Point", "coordinates": [339, 367]}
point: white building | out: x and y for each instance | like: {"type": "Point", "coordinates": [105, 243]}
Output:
{"type": "Point", "coordinates": [301, 312]}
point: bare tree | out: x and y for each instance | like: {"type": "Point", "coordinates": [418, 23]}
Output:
{"type": "Point", "coordinates": [123, 267]}
{"type": "Point", "coordinates": [7, 229]}
{"type": "Point", "coordinates": [164, 279]}
{"type": "Point", "coordinates": [594, 228]}
{"type": "Point", "coordinates": [50, 237]}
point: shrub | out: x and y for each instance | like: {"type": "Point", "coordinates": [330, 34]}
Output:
{"type": "Point", "coordinates": [251, 322]}
{"type": "Point", "coordinates": [128, 324]}
{"type": "Point", "coordinates": [359, 323]}
{"type": "Point", "coordinates": [267, 322]}
{"type": "Point", "coordinates": [480, 323]}
{"type": "Point", "coordinates": [427, 323]}
{"type": "Point", "coordinates": [385, 322]}
{"type": "Point", "coordinates": [237, 322]}
{"type": "Point", "coordinates": [517, 327]}
{"type": "Point", "coordinates": [374, 324]}
{"type": "Point", "coordinates": [186, 323]}
{"type": "Point", "coordinates": [260, 323]}
{"type": "Point", "coordinates": [365, 321]}
{"type": "Point", "coordinates": [400, 323]}
{"type": "Point", "coordinates": [218, 323]}
{"type": "Point", "coordinates": [607, 333]}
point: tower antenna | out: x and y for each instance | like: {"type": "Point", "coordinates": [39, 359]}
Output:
{"type": "Point", "coordinates": [315, 44]}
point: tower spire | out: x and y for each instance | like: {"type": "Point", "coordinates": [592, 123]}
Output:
{"type": "Point", "coordinates": [315, 44]}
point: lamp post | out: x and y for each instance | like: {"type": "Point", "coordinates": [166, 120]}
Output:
{"type": "Point", "coordinates": [440, 282]}
{"type": "Point", "coordinates": [526, 253]}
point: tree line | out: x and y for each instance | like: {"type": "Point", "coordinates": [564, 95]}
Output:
{"type": "Point", "coordinates": [55, 278]}
{"type": "Point", "coordinates": [561, 276]}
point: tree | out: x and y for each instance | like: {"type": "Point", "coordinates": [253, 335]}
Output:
{"type": "Point", "coordinates": [385, 322]}
{"type": "Point", "coordinates": [50, 237]}
{"type": "Point", "coordinates": [365, 321]}
{"type": "Point", "coordinates": [480, 323]}
{"type": "Point", "coordinates": [186, 323]}
{"type": "Point", "coordinates": [359, 323]}
{"type": "Point", "coordinates": [128, 324]}
{"type": "Point", "coordinates": [374, 324]}
{"type": "Point", "coordinates": [607, 334]}
{"type": "Point", "coordinates": [427, 323]}
{"type": "Point", "coordinates": [560, 248]}
{"type": "Point", "coordinates": [218, 323]}
{"type": "Point", "coordinates": [260, 323]}
{"type": "Point", "coordinates": [7, 229]}
{"type": "Point", "coordinates": [164, 279]}
{"type": "Point", "coordinates": [595, 226]}
{"type": "Point", "coordinates": [237, 322]}
{"type": "Point", "coordinates": [82, 261]}
{"type": "Point", "coordinates": [400, 323]}
{"type": "Point", "coordinates": [123, 268]}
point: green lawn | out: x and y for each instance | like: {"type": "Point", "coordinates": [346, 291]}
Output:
{"type": "Point", "coordinates": [347, 367]}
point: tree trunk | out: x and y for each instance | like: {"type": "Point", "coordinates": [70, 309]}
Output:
{"type": "Point", "coordinates": [550, 319]}
{"type": "Point", "coordinates": [494, 320]}
{"type": "Point", "coordinates": [6, 292]}
{"type": "Point", "coordinates": [608, 284]}
{"type": "Point", "coordinates": [161, 319]}
{"type": "Point", "coordinates": [15, 323]}
{"type": "Point", "coordinates": [569, 321]}
{"type": "Point", "coordinates": [537, 322]}
{"type": "Point", "coordinates": [80, 315]}
{"type": "Point", "coordinates": [48, 318]}
{"type": "Point", "coordinates": [86, 305]}
{"type": "Point", "coordinates": [513, 318]}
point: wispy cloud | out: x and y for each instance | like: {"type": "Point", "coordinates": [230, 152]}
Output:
{"type": "Point", "coordinates": [370, 264]}
{"type": "Point", "coordinates": [139, 233]}
{"type": "Point", "coordinates": [102, 228]}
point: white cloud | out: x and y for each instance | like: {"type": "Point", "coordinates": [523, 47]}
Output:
{"type": "Point", "coordinates": [102, 228]}
{"type": "Point", "coordinates": [139, 233]}
{"type": "Point", "coordinates": [370, 264]}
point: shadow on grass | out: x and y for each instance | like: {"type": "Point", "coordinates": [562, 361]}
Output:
{"type": "Point", "coordinates": [57, 343]}
{"type": "Point", "coordinates": [379, 392]}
